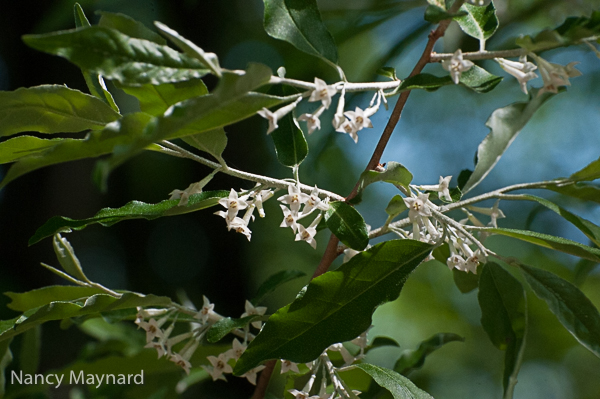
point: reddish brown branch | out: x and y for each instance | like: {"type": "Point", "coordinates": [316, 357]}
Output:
{"type": "Point", "coordinates": [263, 380]}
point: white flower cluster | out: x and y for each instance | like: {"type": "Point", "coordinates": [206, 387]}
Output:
{"type": "Point", "coordinates": [324, 366]}
{"type": "Point", "coordinates": [234, 203]}
{"type": "Point", "coordinates": [161, 340]}
{"type": "Point", "coordinates": [350, 122]}
{"type": "Point", "coordinates": [295, 199]}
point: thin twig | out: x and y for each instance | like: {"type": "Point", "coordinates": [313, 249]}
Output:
{"type": "Point", "coordinates": [263, 380]}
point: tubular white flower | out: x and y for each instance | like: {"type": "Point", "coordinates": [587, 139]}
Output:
{"type": "Point", "coordinates": [456, 65]}
{"type": "Point", "coordinates": [294, 198]}
{"type": "Point", "coordinates": [219, 367]}
{"type": "Point", "coordinates": [555, 75]}
{"type": "Point", "coordinates": [522, 70]}
{"type": "Point", "coordinates": [307, 234]}
{"type": "Point", "coordinates": [322, 92]}
{"type": "Point", "coordinates": [251, 310]}
{"type": "Point", "coordinates": [274, 117]}
{"type": "Point", "coordinates": [312, 120]}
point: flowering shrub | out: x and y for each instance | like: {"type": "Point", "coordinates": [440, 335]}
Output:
{"type": "Point", "coordinates": [320, 340]}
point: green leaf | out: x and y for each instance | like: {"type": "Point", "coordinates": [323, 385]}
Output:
{"type": "Point", "coordinates": [480, 22]}
{"type": "Point", "coordinates": [230, 102]}
{"type": "Point", "coordinates": [586, 192]}
{"type": "Point", "coordinates": [67, 258]}
{"type": "Point", "coordinates": [505, 124]}
{"type": "Point", "coordinates": [585, 226]}
{"type": "Point", "coordinates": [274, 281]}
{"type": "Point", "coordinates": [221, 328]}
{"type": "Point", "coordinates": [212, 142]}
{"type": "Point", "coordinates": [336, 306]}
{"type": "Point", "coordinates": [5, 359]}
{"type": "Point", "coordinates": [290, 144]}
{"type": "Point", "coordinates": [348, 225]}
{"type": "Point", "coordinates": [549, 241]}
{"type": "Point", "coordinates": [81, 20]}
{"type": "Point", "coordinates": [399, 386]}
{"type": "Point", "coordinates": [572, 308]}
{"type": "Point", "coordinates": [29, 356]}
{"type": "Point", "coordinates": [504, 318]}
{"type": "Point", "coordinates": [128, 26]}
{"type": "Point", "coordinates": [209, 60]}
{"type": "Point", "coordinates": [298, 22]}
{"type": "Point", "coordinates": [379, 342]}
{"type": "Point", "coordinates": [570, 32]}
{"type": "Point", "coordinates": [156, 99]}
{"type": "Point", "coordinates": [52, 109]}
{"type": "Point", "coordinates": [465, 282]}
{"type": "Point", "coordinates": [394, 173]}
{"type": "Point", "coordinates": [479, 80]}
{"type": "Point", "coordinates": [590, 172]}
{"type": "Point", "coordinates": [582, 269]}
{"type": "Point", "coordinates": [95, 144]}
{"type": "Point", "coordinates": [18, 147]}
{"type": "Point", "coordinates": [388, 72]}
{"type": "Point", "coordinates": [131, 210]}
{"type": "Point", "coordinates": [435, 14]}
{"type": "Point", "coordinates": [110, 53]}
{"type": "Point", "coordinates": [463, 178]}
{"type": "Point", "coordinates": [425, 81]}
{"type": "Point", "coordinates": [22, 302]}
{"type": "Point", "coordinates": [414, 359]}
{"type": "Point", "coordinates": [396, 206]}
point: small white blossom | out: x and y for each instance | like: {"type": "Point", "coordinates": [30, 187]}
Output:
{"type": "Point", "coordinates": [339, 118]}
{"type": "Point", "coordinates": [287, 365]}
{"type": "Point", "coordinates": [206, 311]}
{"type": "Point", "coordinates": [233, 203]}
{"type": "Point", "coordinates": [236, 351]}
{"type": "Point", "coordinates": [307, 234]}
{"type": "Point", "coordinates": [456, 65]}
{"type": "Point", "coordinates": [358, 118]}
{"type": "Point", "coordinates": [555, 75]}
{"type": "Point", "coordinates": [418, 206]}
{"type": "Point", "coordinates": [219, 367]}
{"type": "Point", "coordinates": [251, 375]}
{"type": "Point", "coordinates": [251, 310]}
{"type": "Point", "coordinates": [261, 197]}
{"type": "Point", "coordinates": [322, 92]}
{"type": "Point", "coordinates": [522, 70]}
{"type": "Point", "coordinates": [350, 128]}
{"type": "Point", "coordinates": [294, 198]}
{"type": "Point", "coordinates": [289, 219]}
{"type": "Point", "coordinates": [443, 187]}
{"type": "Point", "coordinates": [312, 120]}
{"type": "Point", "coordinates": [314, 202]}
{"type": "Point", "coordinates": [274, 117]}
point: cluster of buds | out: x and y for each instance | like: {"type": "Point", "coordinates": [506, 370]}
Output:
{"type": "Point", "coordinates": [249, 201]}
{"type": "Point", "coordinates": [296, 199]}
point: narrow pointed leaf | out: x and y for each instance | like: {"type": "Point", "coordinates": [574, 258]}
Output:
{"type": "Point", "coordinates": [290, 144]}
{"type": "Point", "coordinates": [380, 342]}
{"type": "Point", "coordinates": [435, 14]}
{"type": "Point", "coordinates": [91, 306]}
{"type": "Point", "coordinates": [394, 173]}
{"type": "Point", "coordinates": [298, 22]}
{"type": "Point", "coordinates": [274, 281]}
{"type": "Point", "coordinates": [23, 301]}
{"type": "Point", "coordinates": [80, 18]}
{"type": "Point", "coordinates": [156, 99]}
{"type": "Point", "coordinates": [549, 241]}
{"type": "Point", "coordinates": [5, 359]}
{"type": "Point", "coordinates": [505, 124]}
{"type": "Point", "coordinates": [128, 26]}
{"type": "Point", "coordinates": [586, 192]}
{"type": "Point", "coordinates": [504, 318]}
{"type": "Point", "coordinates": [221, 328]}
{"type": "Point", "coordinates": [572, 308]}
{"type": "Point", "coordinates": [18, 147]}
{"type": "Point", "coordinates": [336, 306]}
{"type": "Point", "coordinates": [209, 60]}
{"type": "Point", "coordinates": [29, 355]}
{"type": "Point", "coordinates": [480, 22]}
{"type": "Point", "coordinates": [67, 258]}
{"type": "Point", "coordinates": [348, 225]}
{"type": "Point", "coordinates": [414, 359]}
{"type": "Point", "coordinates": [132, 210]}
{"type": "Point", "coordinates": [585, 226]}
{"type": "Point", "coordinates": [113, 55]}
{"type": "Point", "coordinates": [95, 144]}
{"type": "Point", "coordinates": [476, 79]}
{"type": "Point", "coordinates": [52, 109]}
{"type": "Point", "coordinates": [399, 386]}
{"type": "Point", "coordinates": [590, 172]}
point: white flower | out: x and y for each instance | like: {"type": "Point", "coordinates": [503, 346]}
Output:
{"type": "Point", "coordinates": [233, 204]}
{"type": "Point", "coordinates": [346, 355]}
{"type": "Point", "coordinates": [240, 225]}
{"type": "Point", "coordinates": [251, 310]}
{"type": "Point", "coordinates": [289, 219]}
{"type": "Point", "coordinates": [314, 202]}
{"type": "Point", "coordinates": [294, 198]}
{"type": "Point", "coordinates": [181, 362]}
{"type": "Point", "coordinates": [339, 118]}
{"type": "Point", "coordinates": [206, 311]}
{"type": "Point", "coordinates": [322, 93]}
{"type": "Point", "coordinates": [442, 187]}
{"type": "Point", "coordinates": [456, 65]}
{"type": "Point", "coordinates": [251, 375]}
{"type": "Point", "coordinates": [236, 351]}
{"type": "Point", "coordinates": [183, 359]}
{"type": "Point", "coordinates": [299, 394]}
{"type": "Point", "coordinates": [307, 234]}
{"type": "Point", "coordinates": [522, 70]}
{"type": "Point", "coordinates": [418, 206]}
{"type": "Point", "coordinates": [312, 120]}
{"type": "Point", "coordinates": [350, 128]}
{"type": "Point", "coordinates": [358, 118]}
{"type": "Point", "coordinates": [184, 195]}
{"type": "Point", "coordinates": [287, 365]}
{"type": "Point", "coordinates": [261, 197]}
{"type": "Point", "coordinates": [473, 261]}
{"type": "Point", "coordinates": [219, 367]}
{"type": "Point", "coordinates": [555, 75]}
{"type": "Point", "coordinates": [456, 262]}
{"type": "Point", "coordinates": [274, 117]}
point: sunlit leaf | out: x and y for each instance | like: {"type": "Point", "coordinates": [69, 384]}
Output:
{"type": "Point", "coordinates": [582, 191]}
{"type": "Point", "coordinates": [132, 210]}
{"type": "Point", "coordinates": [413, 359]}
{"type": "Point", "coordinates": [298, 22]}
{"type": "Point", "coordinates": [212, 142]}
{"type": "Point", "coordinates": [480, 22]}
{"type": "Point", "coordinates": [128, 26]}
{"type": "Point", "coordinates": [110, 53]}
{"type": "Point", "coordinates": [394, 173]}
{"type": "Point", "coordinates": [435, 14]}
{"type": "Point", "coordinates": [590, 172]}
{"type": "Point", "coordinates": [476, 79]}
{"type": "Point", "coordinates": [399, 386]}
{"type": "Point", "coordinates": [221, 328]}
{"type": "Point", "coordinates": [572, 308]}
{"type": "Point", "coordinates": [504, 318]}
{"type": "Point", "coordinates": [22, 146]}
{"type": "Point", "coordinates": [67, 258]}
{"type": "Point", "coordinates": [52, 109]}
{"type": "Point", "coordinates": [347, 224]}
{"type": "Point", "coordinates": [336, 306]}
{"type": "Point", "coordinates": [396, 206]}
{"type": "Point", "coordinates": [505, 124]}
{"type": "Point", "coordinates": [24, 301]}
